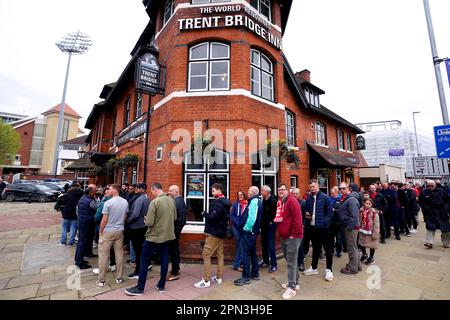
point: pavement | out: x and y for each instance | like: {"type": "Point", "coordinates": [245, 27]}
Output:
{"type": "Point", "coordinates": [33, 266]}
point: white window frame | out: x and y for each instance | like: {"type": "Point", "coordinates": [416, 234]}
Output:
{"type": "Point", "coordinates": [290, 125]}
{"type": "Point", "coordinates": [319, 133]}
{"type": "Point", "coordinates": [340, 134]}
{"type": "Point", "coordinates": [159, 151]}
{"type": "Point", "coordinates": [209, 61]}
{"type": "Point", "coordinates": [269, 18]}
{"type": "Point", "coordinates": [168, 5]}
{"type": "Point", "coordinates": [349, 142]}
{"type": "Point", "coordinates": [259, 69]}
{"type": "Point", "coordinates": [139, 100]}
{"type": "Point", "coordinates": [294, 185]}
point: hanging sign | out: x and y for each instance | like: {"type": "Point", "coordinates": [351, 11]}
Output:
{"type": "Point", "coordinates": [148, 75]}
{"type": "Point", "coordinates": [360, 143]}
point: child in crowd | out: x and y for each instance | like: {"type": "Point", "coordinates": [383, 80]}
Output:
{"type": "Point", "coordinates": [369, 231]}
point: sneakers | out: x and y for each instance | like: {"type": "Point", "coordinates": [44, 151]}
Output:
{"type": "Point", "coordinates": [289, 293]}
{"type": "Point", "coordinates": [256, 278]}
{"type": "Point", "coordinates": [408, 234]}
{"type": "Point", "coordinates": [119, 280]}
{"type": "Point", "coordinates": [241, 282]}
{"type": "Point", "coordinates": [262, 264]}
{"type": "Point", "coordinates": [134, 291]}
{"type": "Point", "coordinates": [202, 284]}
{"type": "Point", "coordinates": [133, 276]}
{"type": "Point", "coordinates": [173, 277]}
{"type": "Point", "coordinates": [96, 270]}
{"type": "Point", "coordinates": [150, 267]}
{"type": "Point", "coordinates": [112, 268]}
{"type": "Point", "coordinates": [348, 271]}
{"type": "Point", "coordinates": [413, 231]}
{"type": "Point", "coordinates": [310, 271]}
{"type": "Point", "coordinates": [370, 261]}
{"type": "Point", "coordinates": [62, 244]}
{"type": "Point", "coordinates": [398, 238]}
{"type": "Point", "coordinates": [85, 266]}
{"type": "Point", "coordinates": [328, 275]}
{"type": "Point", "coordinates": [428, 245]}
{"type": "Point", "coordinates": [158, 288]}
{"type": "Point", "coordinates": [217, 280]}
{"type": "Point", "coordinates": [364, 257]}
{"type": "Point", "coordinates": [272, 269]}
{"type": "Point", "coordinates": [100, 283]}
{"type": "Point", "coordinates": [285, 286]}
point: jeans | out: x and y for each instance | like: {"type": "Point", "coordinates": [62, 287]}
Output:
{"type": "Point", "coordinates": [137, 238]}
{"type": "Point", "coordinates": [84, 231]}
{"type": "Point", "coordinates": [90, 240]}
{"type": "Point", "coordinates": [268, 244]}
{"type": "Point", "coordinates": [337, 238]}
{"type": "Point", "coordinates": [290, 251]}
{"type": "Point", "coordinates": [391, 219]}
{"type": "Point", "coordinates": [403, 216]}
{"type": "Point", "coordinates": [321, 237]}
{"type": "Point", "coordinates": [307, 235]}
{"type": "Point", "coordinates": [147, 252]}
{"type": "Point", "coordinates": [132, 252]}
{"type": "Point", "coordinates": [301, 254]}
{"type": "Point", "coordinates": [237, 234]}
{"type": "Point", "coordinates": [174, 253]}
{"type": "Point", "coordinates": [382, 227]}
{"type": "Point", "coordinates": [66, 226]}
{"type": "Point", "coordinates": [248, 241]}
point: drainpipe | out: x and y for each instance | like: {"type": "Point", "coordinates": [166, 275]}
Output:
{"type": "Point", "coordinates": [147, 137]}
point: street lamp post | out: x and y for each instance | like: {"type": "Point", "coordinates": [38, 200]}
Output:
{"type": "Point", "coordinates": [436, 61]}
{"type": "Point", "coordinates": [415, 132]}
{"type": "Point", "coordinates": [72, 43]}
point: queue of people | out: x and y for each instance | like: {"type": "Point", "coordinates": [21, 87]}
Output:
{"type": "Point", "coordinates": [349, 220]}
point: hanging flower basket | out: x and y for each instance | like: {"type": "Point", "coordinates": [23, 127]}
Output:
{"type": "Point", "coordinates": [129, 160]}
{"type": "Point", "coordinates": [111, 165]}
{"type": "Point", "coordinates": [205, 142]}
{"type": "Point", "coordinates": [94, 172]}
{"type": "Point", "coordinates": [349, 174]}
{"type": "Point", "coordinates": [284, 152]}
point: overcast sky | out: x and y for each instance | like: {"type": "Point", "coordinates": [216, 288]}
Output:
{"type": "Point", "coordinates": [372, 58]}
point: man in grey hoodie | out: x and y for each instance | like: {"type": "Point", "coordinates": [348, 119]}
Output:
{"type": "Point", "coordinates": [349, 217]}
{"type": "Point", "coordinates": [136, 224]}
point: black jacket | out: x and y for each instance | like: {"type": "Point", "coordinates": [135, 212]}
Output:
{"type": "Point", "coordinates": [71, 198]}
{"type": "Point", "coordinates": [181, 213]}
{"type": "Point", "coordinates": [216, 219]}
{"type": "Point", "coordinates": [435, 209]}
{"type": "Point", "coordinates": [413, 206]}
{"type": "Point", "coordinates": [269, 210]}
{"type": "Point", "coordinates": [380, 203]}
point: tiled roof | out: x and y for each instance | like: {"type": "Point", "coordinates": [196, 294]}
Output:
{"type": "Point", "coordinates": [67, 110]}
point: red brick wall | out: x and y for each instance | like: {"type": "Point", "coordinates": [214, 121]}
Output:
{"type": "Point", "coordinates": [26, 138]}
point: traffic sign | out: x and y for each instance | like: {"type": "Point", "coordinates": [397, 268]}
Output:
{"type": "Point", "coordinates": [442, 138]}
{"type": "Point", "coordinates": [430, 167]}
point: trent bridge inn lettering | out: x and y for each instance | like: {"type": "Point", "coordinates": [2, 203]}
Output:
{"type": "Point", "coordinates": [261, 27]}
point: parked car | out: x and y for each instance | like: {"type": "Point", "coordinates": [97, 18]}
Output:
{"type": "Point", "coordinates": [23, 191]}
{"type": "Point", "coordinates": [54, 186]}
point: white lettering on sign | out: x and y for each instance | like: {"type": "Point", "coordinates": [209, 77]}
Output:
{"type": "Point", "coordinates": [261, 27]}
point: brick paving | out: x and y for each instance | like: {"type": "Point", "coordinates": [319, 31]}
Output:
{"type": "Point", "coordinates": [408, 270]}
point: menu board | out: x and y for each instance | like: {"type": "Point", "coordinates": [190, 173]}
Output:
{"type": "Point", "coordinates": [195, 185]}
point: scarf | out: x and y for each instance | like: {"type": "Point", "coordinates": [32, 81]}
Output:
{"type": "Point", "coordinates": [243, 203]}
{"type": "Point", "coordinates": [365, 227]}
{"type": "Point", "coordinates": [344, 197]}
{"type": "Point", "coordinates": [280, 210]}
{"type": "Point", "coordinates": [219, 196]}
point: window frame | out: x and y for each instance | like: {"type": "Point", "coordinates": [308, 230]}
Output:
{"type": "Point", "coordinates": [258, 8]}
{"type": "Point", "coordinates": [349, 142]}
{"type": "Point", "coordinates": [262, 72]}
{"type": "Point", "coordinates": [127, 115]}
{"type": "Point", "coordinates": [209, 62]}
{"type": "Point", "coordinates": [139, 104]}
{"type": "Point", "coordinates": [316, 131]}
{"type": "Point", "coordinates": [166, 18]}
{"type": "Point", "coordinates": [288, 126]}
{"type": "Point", "coordinates": [340, 135]}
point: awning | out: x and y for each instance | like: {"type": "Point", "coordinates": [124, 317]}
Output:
{"type": "Point", "coordinates": [336, 159]}
{"type": "Point", "coordinates": [83, 163]}
{"type": "Point", "coordinates": [101, 158]}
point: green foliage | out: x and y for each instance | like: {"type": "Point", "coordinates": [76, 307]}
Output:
{"type": "Point", "coordinates": [9, 141]}
{"type": "Point", "coordinates": [129, 160]}
{"type": "Point", "coordinates": [285, 152]}
{"type": "Point", "coordinates": [97, 171]}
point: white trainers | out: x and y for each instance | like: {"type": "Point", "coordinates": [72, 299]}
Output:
{"type": "Point", "coordinates": [289, 293]}
{"type": "Point", "coordinates": [217, 280]}
{"type": "Point", "coordinates": [328, 275]}
{"type": "Point", "coordinates": [203, 284]}
{"type": "Point", "coordinates": [112, 268]}
{"type": "Point", "coordinates": [101, 283]}
{"type": "Point", "coordinates": [96, 270]}
{"type": "Point", "coordinates": [285, 286]}
{"type": "Point", "coordinates": [413, 231]}
{"type": "Point", "coordinates": [310, 271]}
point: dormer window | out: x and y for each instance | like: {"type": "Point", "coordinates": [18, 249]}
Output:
{"type": "Point", "coordinates": [263, 7]}
{"type": "Point", "coordinates": [312, 97]}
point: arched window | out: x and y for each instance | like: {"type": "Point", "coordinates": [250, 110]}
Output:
{"type": "Point", "coordinates": [349, 142]}
{"type": "Point", "coordinates": [290, 128]}
{"type": "Point", "coordinates": [321, 134]}
{"type": "Point", "coordinates": [341, 145]}
{"type": "Point", "coordinates": [261, 75]}
{"type": "Point", "coordinates": [209, 67]}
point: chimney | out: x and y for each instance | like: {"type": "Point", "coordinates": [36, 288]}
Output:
{"type": "Point", "coordinates": [304, 75]}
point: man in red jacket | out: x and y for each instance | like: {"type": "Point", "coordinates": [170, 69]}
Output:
{"type": "Point", "coordinates": [290, 229]}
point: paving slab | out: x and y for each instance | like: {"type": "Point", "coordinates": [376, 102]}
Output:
{"type": "Point", "coordinates": [38, 255]}
{"type": "Point", "coordinates": [19, 293]}
{"type": "Point", "coordinates": [70, 295]}
{"type": "Point", "coordinates": [29, 279]}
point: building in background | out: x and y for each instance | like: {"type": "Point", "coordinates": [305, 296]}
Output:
{"type": "Point", "coordinates": [383, 172]}
{"type": "Point", "coordinates": [11, 117]}
{"type": "Point", "coordinates": [70, 151]}
{"type": "Point", "coordinates": [38, 138]}
{"type": "Point", "coordinates": [391, 143]}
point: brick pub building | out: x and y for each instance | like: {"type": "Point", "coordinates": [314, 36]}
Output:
{"type": "Point", "coordinates": [223, 69]}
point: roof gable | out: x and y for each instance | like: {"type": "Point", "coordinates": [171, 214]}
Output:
{"type": "Point", "coordinates": [67, 111]}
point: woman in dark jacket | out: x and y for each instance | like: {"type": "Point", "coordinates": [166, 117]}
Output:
{"type": "Point", "coordinates": [434, 203]}
{"type": "Point", "coordinates": [237, 210]}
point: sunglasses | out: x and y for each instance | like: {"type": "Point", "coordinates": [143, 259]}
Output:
{"type": "Point", "coordinates": [343, 188]}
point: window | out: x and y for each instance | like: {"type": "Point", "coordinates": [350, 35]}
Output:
{"type": "Point", "coordinates": [209, 67]}
{"type": "Point", "coordinates": [349, 142]}
{"type": "Point", "coordinates": [65, 133]}
{"type": "Point", "coordinates": [290, 128]}
{"type": "Point", "coordinates": [264, 171]}
{"type": "Point", "coordinates": [321, 134]}
{"type": "Point", "coordinates": [127, 113]}
{"type": "Point", "coordinates": [159, 153]}
{"type": "Point", "coordinates": [263, 7]}
{"type": "Point", "coordinates": [168, 11]}
{"type": "Point", "coordinates": [323, 180]}
{"type": "Point", "coordinates": [293, 181]}
{"type": "Point", "coordinates": [341, 145]}
{"type": "Point", "coordinates": [113, 132]}
{"type": "Point", "coordinates": [208, 1]}
{"type": "Point", "coordinates": [138, 112]}
{"type": "Point", "coordinates": [338, 176]}
{"type": "Point", "coordinates": [312, 97]}
{"type": "Point", "coordinates": [261, 75]}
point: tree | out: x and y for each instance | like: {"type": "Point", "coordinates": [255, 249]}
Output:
{"type": "Point", "coordinates": [9, 141]}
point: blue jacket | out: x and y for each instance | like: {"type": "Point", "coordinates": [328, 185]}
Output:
{"type": "Point", "coordinates": [257, 225]}
{"type": "Point", "coordinates": [391, 197]}
{"type": "Point", "coordinates": [87, 207]}
{"type": "Point", "coordinates": [324, 210]}
{"type": "Point", "coordinates": [236, 214]}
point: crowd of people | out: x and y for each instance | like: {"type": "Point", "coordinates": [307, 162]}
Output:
{"type": "Point", "coordinates": [350, 220]}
